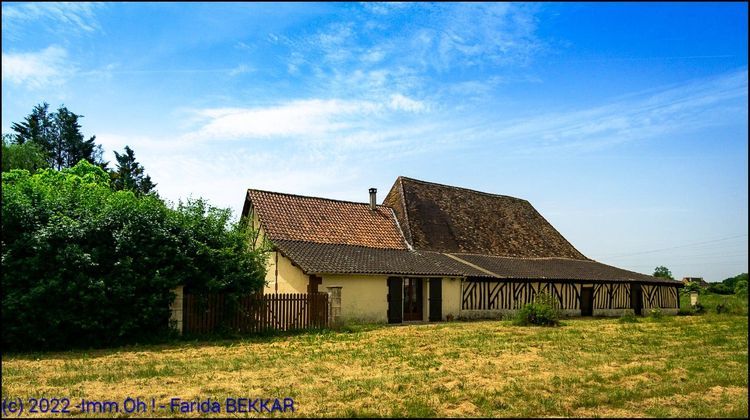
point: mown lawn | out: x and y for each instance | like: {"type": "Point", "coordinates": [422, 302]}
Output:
{"type": "Point", "coordinates": [687, 366]}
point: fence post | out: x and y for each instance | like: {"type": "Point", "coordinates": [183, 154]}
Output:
{"type": "Point", "coordinates": [334, 297]}
{"type": "Point", "coordinates": [176, 309]}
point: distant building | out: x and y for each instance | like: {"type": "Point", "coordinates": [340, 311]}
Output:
{"type": "Point", "coordinates": [699, 280]}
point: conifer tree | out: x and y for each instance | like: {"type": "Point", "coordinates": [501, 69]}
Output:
{"type": "Point", "coordinates": [130, 175]}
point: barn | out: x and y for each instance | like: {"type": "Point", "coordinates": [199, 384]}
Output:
{"type": "Point", "coordinates": [431, 252]}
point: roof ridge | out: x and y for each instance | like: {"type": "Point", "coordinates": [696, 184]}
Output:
{"type": "Point", "coordinates": [461, 188]}
{"type": "Point", "coordinates": [410, 241]}
{"type": "Point", "coordinates": [315, 197]}
{"type": "Point", "coordinates": [477, 267]}
{"type": "Point", "coordinates": [398, 225]}
{"type": "Point", "coordinates": [524, 258]}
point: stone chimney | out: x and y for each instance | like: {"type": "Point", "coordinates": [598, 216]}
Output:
{"type": "Point", "coordinates": [373, 199]}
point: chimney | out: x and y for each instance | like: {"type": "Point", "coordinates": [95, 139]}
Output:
{"type": "Point", "coordinates": [373, 192]}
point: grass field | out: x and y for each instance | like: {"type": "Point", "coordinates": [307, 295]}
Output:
{"type": "Point", "coordinates": [687, 366]}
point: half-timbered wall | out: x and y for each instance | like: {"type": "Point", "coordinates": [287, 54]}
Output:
{"type": "Point", "coordinates": [659, 297]}
{"type": "Point", "coordinates": [489, 295]}
{"type": "Point", "coordinates": [504, 295]}
{"type": "Point", "coordinates": [612, 296]}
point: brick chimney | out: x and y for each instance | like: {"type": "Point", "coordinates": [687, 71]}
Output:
{"type": "Point", "coordinates": [373, 200]}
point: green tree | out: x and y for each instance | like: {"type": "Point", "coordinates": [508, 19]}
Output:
{"type": "Point", "coordinates": [130, 175]}
{"type": "Point", "coordinates": [37, 128]}
{"type": "Point", "coordinates": [27, 156]}
{"type": "Point", "coordinates": [663, 272]}
{"type": "Point", "coordinates": [59, 135]}
{"type": "Point", "coordinates": [740, 287]}
{"type": "Point", "coordinates": [731, 282]}
{"type": "Point", "coordinates": [692, 286]}
{"type": "Point", "coordinates": [85, 265]}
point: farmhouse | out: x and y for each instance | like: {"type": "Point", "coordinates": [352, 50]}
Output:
{"type": "Point", "coordinates": [699, 280]}
{"type": "Point", "coordinates": [433, 251]}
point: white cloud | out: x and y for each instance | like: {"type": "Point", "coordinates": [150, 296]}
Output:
{"type": "Point", "coordinates": [489, 33]}
{"type": "Point", "coordinates": [60, 17]}
{"type": "Point", "coordinates": [408, 47]}
{"type": "Point", "coordinates": [304, 117]}
{"type": "Point", "coordinates": [690, 106]}
{"type": "Point", "coordinates": [309, 118]}
{"type": "Point", "coordinates": [36, 70]}
{"type": "Point", "coordinates": [401, 102]}
{"type": "Point", "coordinates": [385, 7]}
{"type": "Point", "coordinates": [240, 69]}
{"type": "Point", "coordinates": [336, 148]}
{"type": "Point", "coordinates": [373, 56]}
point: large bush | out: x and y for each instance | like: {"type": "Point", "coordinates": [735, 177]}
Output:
{"type": "Point", "coordinates": [544, 310]}
{"type": "Point", "coordinates": [740, 287]}
{"type": "Point", "coordinates": [84, 265]}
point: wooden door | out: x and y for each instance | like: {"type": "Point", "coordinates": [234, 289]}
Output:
{"type": "Point", "coordinates": [587, 301]}
{"type": "Point", "coordinates": [412, 299]}
{"type": "Point", "coordinates": [313, 283]}
{"type": "Point", "coordinates": [436, 300]}
{"type": "Point", "coordinates": [395, 307]}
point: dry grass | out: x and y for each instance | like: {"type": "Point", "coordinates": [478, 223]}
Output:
{"type": "Point", "coordinates": [679, 366]}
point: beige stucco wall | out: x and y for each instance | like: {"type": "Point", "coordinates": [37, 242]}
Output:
{"type": "Point", "coordinates": [363, 298]}
{"type": "Point", "coordinates": [290, 278]}
{"type": "Point", "coordinates": [452, 297]}
{"type": "Point", "coordinates": [286, 278]}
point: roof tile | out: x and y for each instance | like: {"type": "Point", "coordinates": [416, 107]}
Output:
{"type": "Point", "coordinates": [312, 219]}
{"type": "Point", "coordinates": [316, 258]}
{"type": "Point", "coordinates": [444, 218]}
{"type": "Point", "coordinates": [556, 269]}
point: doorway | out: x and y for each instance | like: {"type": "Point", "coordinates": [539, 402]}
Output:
{"type": "Point", "coordinates": [587, 301]}
{"type": "Point", "coordinates": [636, 298]}
{"type": "Point", "coordinates": [412, 299]}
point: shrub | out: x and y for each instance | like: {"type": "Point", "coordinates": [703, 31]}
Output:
{"type": "Point", "coordinates": [543, 311]}
{"type": "Point", "coordinates": [86, 266]}
{"type": "Point", "coordinates": [628, 316]}
{"type": "Point", "coordinates": [655, 313]}
{"type": "Point", "coordinates": [740, 287]}
{"type": "Point", "coordinates": [722, 308]}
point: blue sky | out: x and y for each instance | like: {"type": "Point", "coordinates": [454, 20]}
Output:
{"type": "Point", "coordinates": [625, 125]}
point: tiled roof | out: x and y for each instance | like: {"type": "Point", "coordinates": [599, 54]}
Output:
{"type": "Point", "coordinates": [443, 218]}
{"type": "Point", "coordinates": [556, 269]}
{"type": "Point", "coordinates": [454, 265]}
{"type": "Point", "coordinates": [456, 232]}
{"type": "Point", "coordinates": [312, 219]}
{"type": "Point", "coordinates": [316, 258]}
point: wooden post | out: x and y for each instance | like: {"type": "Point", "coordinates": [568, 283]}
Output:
{"type": "Point", "coordinates": [176, 318]}
{"type": "Point", "coordinates": [334, 297]}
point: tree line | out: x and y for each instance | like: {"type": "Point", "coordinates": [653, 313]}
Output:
{"type": "Point", "coordinates": [53, 139]}
{"type": "Point", "coordinates": [728, 286]}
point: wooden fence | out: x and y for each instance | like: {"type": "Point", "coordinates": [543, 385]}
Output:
{"type": "Point", "coordinates": [254, 313]}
